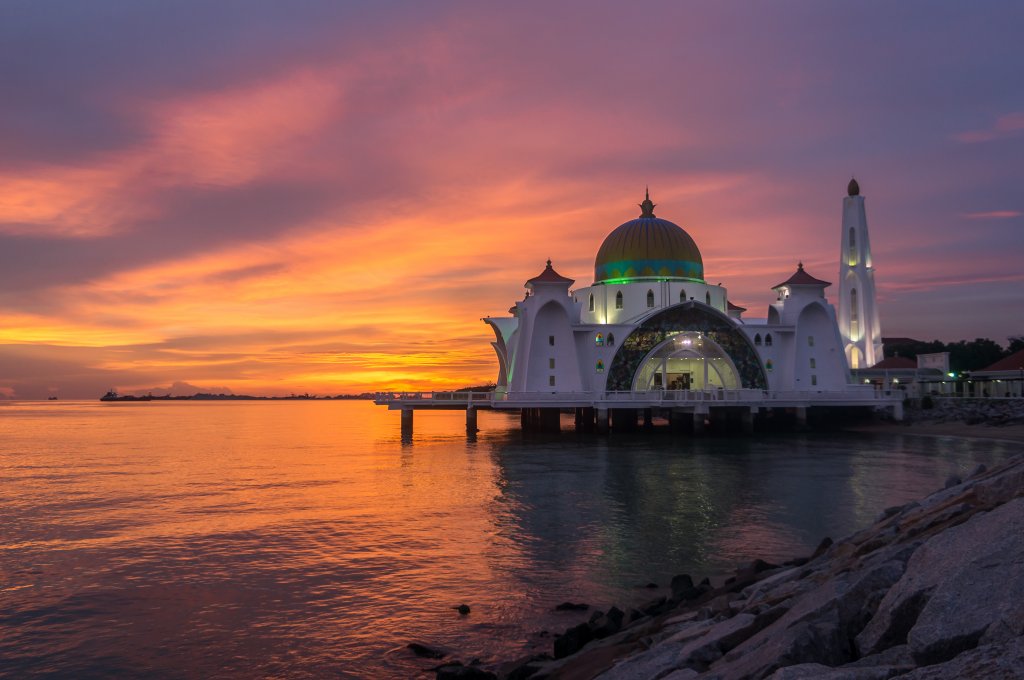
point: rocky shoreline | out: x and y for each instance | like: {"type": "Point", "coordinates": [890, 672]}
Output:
{"type": "Point", "coordinates": [933, 589]}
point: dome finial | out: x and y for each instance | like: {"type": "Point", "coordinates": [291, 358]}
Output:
{"type": "Point", "coordinates": [800, 265]}
{"type": "Point", "coordinates": [853, 189]}
{"type": "Point", "coordinates": [549, 263]}
{"type": "Point", "coordinates": [647, 207]}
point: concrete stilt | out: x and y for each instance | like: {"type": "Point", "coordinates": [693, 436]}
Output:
{"type": "Point", "coordinates": [897, 411]}
{"type": "Point", "coordinates": [471, 419]}
{"type": "Point", "coordinates": [551, 419]}
{"type": "Point", "coordinates": [602, 421]}
{"type": "Point", "coordinates": [801, 416]}
{"type": "Point", "coordinates": [407, 423]}
{"type": "Point", "coordinates": [747, 420]}
{"type": "Point", "coordinates": [698, 423]}
{"type": "Point", "coordinates": [648, 418]}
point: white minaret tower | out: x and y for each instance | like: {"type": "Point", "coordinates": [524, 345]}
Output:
{"type": "Point", "coordinates": [858, 310]}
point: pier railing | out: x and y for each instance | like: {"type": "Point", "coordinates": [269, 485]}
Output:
{"type": "Point", "coordinates": [863, 394]}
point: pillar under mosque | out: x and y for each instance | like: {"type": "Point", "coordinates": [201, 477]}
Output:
{"type": "Point", "coordinates": [407, 422]}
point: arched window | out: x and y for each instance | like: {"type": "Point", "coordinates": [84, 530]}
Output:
{"type": "Point", "coordinates": [591, 302]}
{"type": "Point", "coordinates": [618, 300]}
{"type": "Point", "coordinates": [853, 243]}
{"type": "Point", "coordinates": [810, 341]}
{"type": "Point", "coordinates": [854, 316]}
{"type": "Point", "coordinates": [707, 298]}
{"type": "Point", "coordinates": [813, 364]}
{"type": "Point", "coordinates": [768, 340]}
{"type": "Point", "coordinates": [769, 365]}
{"type": "Point", "coordinates": [650, 298]}
{"type": "Point", "coordinates": [757, 339]}
{"type": "Point", "coordinates": [611, 340]}
{"type": "Point", "coordinates": [682, 296]}
{"type": "Point", "coordinates": [600, 366]}
{"type": "Point", "coordinates": [599, 340]}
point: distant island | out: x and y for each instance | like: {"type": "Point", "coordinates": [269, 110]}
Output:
{"type": "Point", "coordinates": [112, 395]}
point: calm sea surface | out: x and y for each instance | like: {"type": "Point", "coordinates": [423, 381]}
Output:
{"type": "Point", "coordinates": [305, 539]}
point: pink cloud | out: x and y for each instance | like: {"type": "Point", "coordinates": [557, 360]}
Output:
{"type": "Point", "coordinates": [1004, 126]}
{"type": "Point", "coordinates": [993, 215]}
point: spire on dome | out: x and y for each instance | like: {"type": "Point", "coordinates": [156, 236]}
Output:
{"type": "Point", "coordinates": [853, 189]}
{"type": "Point", "coordinates": [647, 207]}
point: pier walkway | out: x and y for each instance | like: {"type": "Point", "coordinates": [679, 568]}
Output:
{"type": "Point", "coordinates": [540, 410]}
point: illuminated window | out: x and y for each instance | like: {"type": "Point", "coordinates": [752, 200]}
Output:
{"type": "Point", "coordinates": [769, 365]}
{"type": "Point", "coordinates": [618, 300]}
{"type": "Point", "coordinates": [598, 339]}
{"type": "Point", "coordinates": [854, 316]}
{"type": "Point", "coordinates": [611, 339]}
{"type": "Point", "coordinates": [813, 365]}
{"type": "Point", "coordinates": [768, 340]}
{"type": "Point", "coordinates": [814, 380]}
{"type": "Point", "coordinates": [551, 363]}
{"type": "Point", "coordinates": [707, 298]}
{"type": "Point", "coordinates": [591, 302]}
{"type": "Point", "coordinates": [810, 341]}
{"type": "Point", "coordinates": [650, 298]}
{"type": "Point", "coordinates": [853, 247]}
{"type": "Point", "coordinates": [600, 366]}
{"type": "Point", "coordinates": [682, 296]}
{"type": "Point", "coordinates": [551, 340]}
{"type": "Point", "coordinates": [757, 339]}
{"type": "Point", "coordinates": [551, 380]}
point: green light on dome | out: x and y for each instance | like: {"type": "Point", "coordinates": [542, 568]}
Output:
{"type": "Point", "coordinates": [642, 279]}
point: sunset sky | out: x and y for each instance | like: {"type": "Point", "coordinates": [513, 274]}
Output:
{"type": "Point", "coordinates": [322, 196]}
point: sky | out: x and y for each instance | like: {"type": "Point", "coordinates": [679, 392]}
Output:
{"type": "Point", "coordinates": [326, 197]}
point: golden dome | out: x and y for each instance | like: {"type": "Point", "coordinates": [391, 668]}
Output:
{"type": "Point", "coordinates": [648, 248]}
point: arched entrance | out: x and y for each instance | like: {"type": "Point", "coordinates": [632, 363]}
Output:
{"type": "Point", "coordinates": [687, 361]}
{"type": "Point", "coordinates": [690, 319]}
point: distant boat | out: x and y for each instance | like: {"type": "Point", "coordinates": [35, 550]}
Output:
{"type": "Point", "coordinates": [51, 398]}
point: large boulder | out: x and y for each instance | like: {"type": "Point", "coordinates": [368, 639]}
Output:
{"type": "Point", "coordinates": [988, 662]}
{"type": "Point", "coordinates": [957, 585]}
{"type": "Point", "coordinates": [818, 628]}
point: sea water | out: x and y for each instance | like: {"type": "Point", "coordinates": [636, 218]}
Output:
{"type": "Point", "coordinates": [306, 539]}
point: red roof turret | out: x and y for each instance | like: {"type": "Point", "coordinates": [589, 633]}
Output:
{"type": "Point", "coordinates": [549, 275]}
{"type": "Point", "coordinates": [801, 278]}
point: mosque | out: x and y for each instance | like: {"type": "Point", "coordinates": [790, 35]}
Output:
{"type": "Point", "coordinates": [650, 333]}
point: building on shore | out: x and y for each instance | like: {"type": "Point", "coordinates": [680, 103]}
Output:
{"type": "Point", "coordinates": [650, 332]}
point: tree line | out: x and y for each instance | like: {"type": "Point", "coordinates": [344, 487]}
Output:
{"type": "Point", "coordinates": [964, 355]}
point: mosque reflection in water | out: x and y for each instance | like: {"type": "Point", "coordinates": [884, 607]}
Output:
{"type": "Point", "coordinates": [625, 511]}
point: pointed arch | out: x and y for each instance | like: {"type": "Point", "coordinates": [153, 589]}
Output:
{"type": "Point", "coordinates": [650, 298]}
{"type": "Point", "coordinates": [618, 300]}
{"type": "Point", "coordinates": [682, 296]}
{"type": "Point", "coordinates": [757, 339]}
{"type": "Point", "coordinates": [591, 302]}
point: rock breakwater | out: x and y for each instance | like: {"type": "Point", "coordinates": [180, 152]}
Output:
{"type": "Point", "coordinates": [933, 589]}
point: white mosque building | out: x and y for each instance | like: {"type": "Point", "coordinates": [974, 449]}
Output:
{"type": "Point", "coordinates": [651, 333]}
{"type": "Point", "coordinates": [650, 321]}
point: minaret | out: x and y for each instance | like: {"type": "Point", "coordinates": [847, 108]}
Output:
{"type": "Point", "coordinates": [858, 309]}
